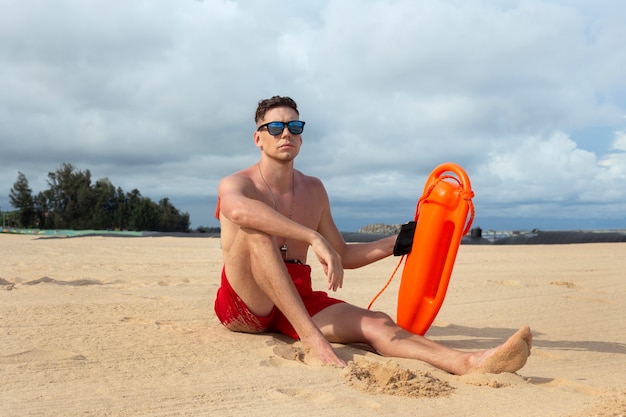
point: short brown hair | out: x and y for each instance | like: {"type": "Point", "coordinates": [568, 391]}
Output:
{"type": "Point", "coordinates": [268, 104]}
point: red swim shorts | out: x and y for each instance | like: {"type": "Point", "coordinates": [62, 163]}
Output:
{"type": "Point", "coordinates": [234, 314]}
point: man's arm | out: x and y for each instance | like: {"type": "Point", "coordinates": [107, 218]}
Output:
{"type": "Point", "coordinates": [241, 204]}
{"type": "Point", "coordinates": [356, 255]}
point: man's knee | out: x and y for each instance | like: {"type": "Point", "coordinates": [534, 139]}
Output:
{"type": "Point", "coordinates": [261, 245]}
{"type": "Point", "coordinates": [381, 318]}
{"type": "Point", "coordinates": [247, 241]}
{"type": "Point", "coordinates": [257, 238]}
{"type": "Point", "coordinates": [376, 323]}
{"type": "Point", "coordinates": [252, 254]}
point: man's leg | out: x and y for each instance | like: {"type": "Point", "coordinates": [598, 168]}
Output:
{"type": "Point", "coordinates": [244, 252]}
{"type": "Point", "coordinates": [345, 323]}
{"type": "Point", "coordinates": [257, 273]}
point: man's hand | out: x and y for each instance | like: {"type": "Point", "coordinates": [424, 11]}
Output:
{"type": "Point", "coordinates": [330, 260]}
{"type": "Point", "coordinates": [321, 350]}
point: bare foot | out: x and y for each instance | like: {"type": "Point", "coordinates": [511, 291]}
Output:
{"type": "Point", "coordinates": [508, 357]}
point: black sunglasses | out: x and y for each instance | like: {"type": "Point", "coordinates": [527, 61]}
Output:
{"type": "Point", "coordinates": [295, 127]}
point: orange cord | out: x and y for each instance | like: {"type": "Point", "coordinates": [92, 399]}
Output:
{"type": "Point", "coordinates": [466, 196]}
{"type": "Point", "coordinates": [369, 307]}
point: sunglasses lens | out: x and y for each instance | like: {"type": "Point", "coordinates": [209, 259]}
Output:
{"type": "Point", "coordinates": [295, 127]}
{"type": "Point", "coordinates": [275, 128]}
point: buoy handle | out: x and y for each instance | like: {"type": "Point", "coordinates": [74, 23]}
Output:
{"type": "Point", "coordinates": [463, 179]}
{"type": "Point", "coordinates": [465, 188]}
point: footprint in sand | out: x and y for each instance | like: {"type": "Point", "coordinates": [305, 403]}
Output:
{"type": "Point", "coordinates": [510, 283]}
{"type": "Point", "coordinates": [310, 395]}
{"type": "Point", "coordinates": [566, 284]}
{"type": "Point", "coordinates": [318, 397]}
{"type": "Point", "coordinates": [75, 283]}
{"type": "Point", "coordinates": [136, 320]}
{"type": "Point", "coordinates": [292, 353]}
{"type": "Point", "coordinates": [160, 324]}
{"type": "Point", "coordinates": [7, 285]}
{"type": "Point", "coordinates": [40, 355]}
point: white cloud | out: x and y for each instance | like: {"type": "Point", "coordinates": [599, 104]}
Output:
{"type": "Point", "coordinates": [619, 144]}
{"type": "Point", "coordinates": [611, 175]}
{"type": "Point", "coordinates": [161, 97]}
{"type": "Point", "coordinates": [551, 168]}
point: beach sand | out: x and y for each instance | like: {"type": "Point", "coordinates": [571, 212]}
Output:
{"type": "Point", "coordinates": [108, 326]}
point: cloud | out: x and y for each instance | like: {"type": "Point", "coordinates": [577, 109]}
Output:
{"type": "Point", "coordinates": [611, 175]}
{"type": "Point", "coordinates": [161, 97]}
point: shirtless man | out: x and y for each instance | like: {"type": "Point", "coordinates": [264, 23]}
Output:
{"type": "Point", "coordinates": [271, 215]}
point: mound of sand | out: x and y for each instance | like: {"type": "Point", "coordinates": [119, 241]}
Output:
{"type": "Point", "coordinates": [392, 379]}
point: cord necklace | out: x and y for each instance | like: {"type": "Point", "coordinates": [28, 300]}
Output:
{"type": "Point", "coordinates": [283, 248]}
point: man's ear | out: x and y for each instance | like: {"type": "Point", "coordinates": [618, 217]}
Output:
{"type": "Point", "coordinates": [257, 139]}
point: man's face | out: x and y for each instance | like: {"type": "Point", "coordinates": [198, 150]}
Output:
{"type": "Point", "coordinates": [284, 146]}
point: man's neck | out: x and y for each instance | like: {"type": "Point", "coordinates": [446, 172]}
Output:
{"type": "Point", "coordinates": [278, 174]}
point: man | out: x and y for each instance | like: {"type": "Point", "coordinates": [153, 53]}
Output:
{"type": "Point", "coordinates": [270, 215]}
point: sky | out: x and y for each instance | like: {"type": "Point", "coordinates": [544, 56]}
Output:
{"type": "Point", "coordinates": [528, 97]}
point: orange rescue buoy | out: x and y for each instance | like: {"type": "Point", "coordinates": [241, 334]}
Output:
{"type": "Point", "coordinates": [441, 218]}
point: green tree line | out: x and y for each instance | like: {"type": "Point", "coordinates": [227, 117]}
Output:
{"type": "Point", "coordinates": [72, 201]}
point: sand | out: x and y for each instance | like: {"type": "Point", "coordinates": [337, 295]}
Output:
{"type": "Point", "coordinates": [107, 326]}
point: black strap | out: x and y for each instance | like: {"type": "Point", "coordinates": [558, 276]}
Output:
{"type": "Point", "coordinates": [404, 241]}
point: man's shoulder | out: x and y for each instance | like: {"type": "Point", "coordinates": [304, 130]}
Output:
{"type": "Point", "coordinates": [242, 175]}
{"type": "Point", "coordinates": [240, 180]}
{"type": "Point", "coordinates": [314, 187]}
{"type": "Point", "coordinates": [310, 179]}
